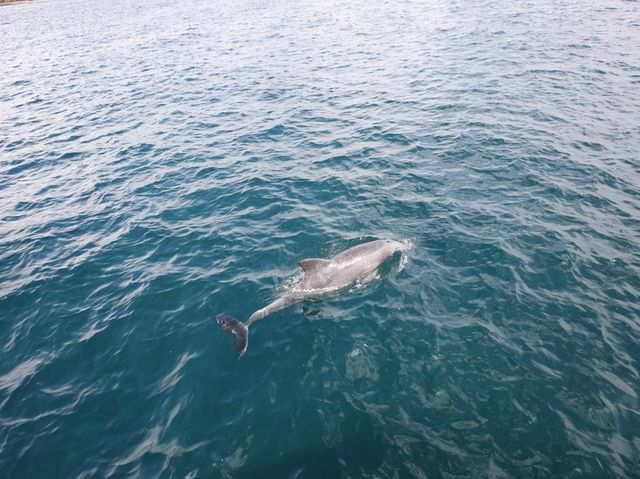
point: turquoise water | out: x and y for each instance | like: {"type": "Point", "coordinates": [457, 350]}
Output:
{"type": "Point", "coordinates": [164, 162]}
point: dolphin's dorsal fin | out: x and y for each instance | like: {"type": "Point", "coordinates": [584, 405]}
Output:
{"type": "Point", "coordinates": [313, 264]}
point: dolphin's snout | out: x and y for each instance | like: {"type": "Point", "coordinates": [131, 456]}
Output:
{"type": "Point", "coordinates": [395, 244]}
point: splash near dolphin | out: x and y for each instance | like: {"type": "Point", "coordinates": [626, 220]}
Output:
{"type": "Point", "coordinates": [321, 277]}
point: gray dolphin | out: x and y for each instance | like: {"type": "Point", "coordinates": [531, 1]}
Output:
{"type": "Point", "coordinates": [321, 277]}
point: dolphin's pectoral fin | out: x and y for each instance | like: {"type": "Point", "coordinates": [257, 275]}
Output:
{"type": "Point", "coordinates": [313, 264]}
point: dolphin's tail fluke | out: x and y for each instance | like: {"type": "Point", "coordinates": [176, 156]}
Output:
{"type": "Point", "coordinates": [238, 329]}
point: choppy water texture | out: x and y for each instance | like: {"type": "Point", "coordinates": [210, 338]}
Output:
{"type": "Point", "coordinates": [163, 162]}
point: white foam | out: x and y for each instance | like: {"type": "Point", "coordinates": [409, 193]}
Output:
{"type": "Point", "coordinates": [407, 244]}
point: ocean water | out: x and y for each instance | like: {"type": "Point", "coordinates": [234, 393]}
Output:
{"type": "Point", "coordinates": [163, 162]}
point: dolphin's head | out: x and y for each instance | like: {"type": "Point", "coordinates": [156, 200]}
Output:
{"type": "Point", "coordinates": [394, 245]}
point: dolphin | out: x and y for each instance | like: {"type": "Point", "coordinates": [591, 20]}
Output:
{"type": "Point", "coordinates": [321, 277]}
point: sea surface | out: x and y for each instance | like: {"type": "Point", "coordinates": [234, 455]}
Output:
{"type": "Point", "coordinates": [163, 162]}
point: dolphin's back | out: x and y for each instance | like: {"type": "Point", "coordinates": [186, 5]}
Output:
{"type": "Point", "coordinates": [345, 267]}
{"type": "Point", "coordinates": [357, 251]}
